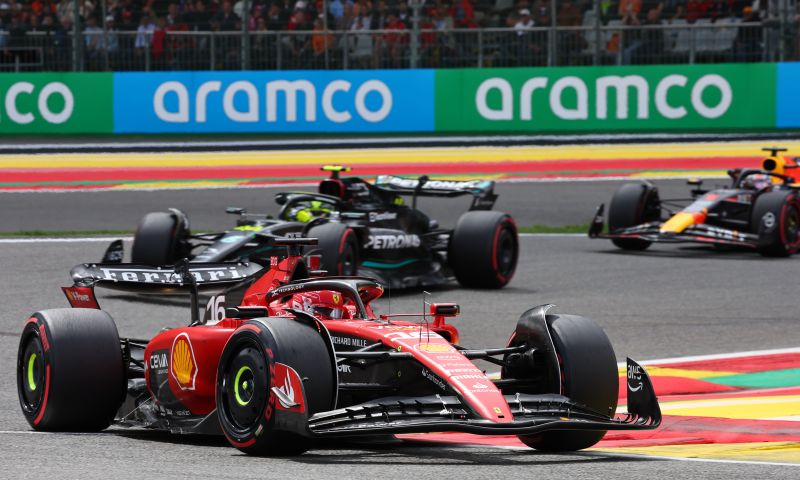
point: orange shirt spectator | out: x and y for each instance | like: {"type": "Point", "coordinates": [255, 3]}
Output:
{"type": "Point", "coordinates": [319, 39]}
{"type": "Point", "coordinates": [630, 6]}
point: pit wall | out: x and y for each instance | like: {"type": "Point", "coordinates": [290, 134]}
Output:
{"type": "Point", "coordinates": [514, 100]}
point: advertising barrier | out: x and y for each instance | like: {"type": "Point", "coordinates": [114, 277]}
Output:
{"type": "Point", "coordinates": [56, 103]}
{"type": "Point", "coordinates": [284, 102]}
{"type": "Point", "coordinates": [570, 99]}
{"type": "Point", "coordinates": [673, 97]}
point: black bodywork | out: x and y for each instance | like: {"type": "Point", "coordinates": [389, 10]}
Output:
{"type": "Point", "coordinates": [727, 214]}
{"type": "Point", "coordinates": [399, 245]}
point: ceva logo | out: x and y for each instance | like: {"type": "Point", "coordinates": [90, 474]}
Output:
{"type": "Point", "coordinates": [249, 112]}
{"type": "Point", "coordinates": [19, 89]}
{"type": "Point", "coordinates": [621, 85]}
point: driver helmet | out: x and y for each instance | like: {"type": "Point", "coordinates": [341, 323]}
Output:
{"type": "Point", "coordinates": [306, 212]}
{"type": "Point", "coordinates": [323, 304]}
{"type": "Point", "coordinates": [757, 181]}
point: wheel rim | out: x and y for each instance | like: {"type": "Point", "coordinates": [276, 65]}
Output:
{"type": "Point", "coordinates": [791, 225]}
{"type": "Point", "coordinates": [245, 388]}
{"type": "Point", "coordinates": [506, 253]}
{"type": "Point", "coordinates": [30, 374]}
{"type": "Point", "coordinates": [243, 385]}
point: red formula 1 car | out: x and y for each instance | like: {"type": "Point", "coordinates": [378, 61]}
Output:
{"type": "Point", "coordinates": [299, 356]}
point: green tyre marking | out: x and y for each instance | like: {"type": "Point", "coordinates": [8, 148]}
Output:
{"type": "Point", "coordinates": [31, 379]}
{"type": "Point", "coordinates": [236, 393]}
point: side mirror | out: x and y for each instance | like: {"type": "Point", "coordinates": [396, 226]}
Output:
{"type": "Point", "coordinates": [235, 210]}
{"type": "Point", "coordinates": [445, 309]}
{"type": "Point", "coordinates": [695, 182]}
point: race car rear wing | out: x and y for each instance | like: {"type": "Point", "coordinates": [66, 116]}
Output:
{"type": "Point", "coordinates": [181, 278]}
{"type": "Point", "coordinates": [482, 191]}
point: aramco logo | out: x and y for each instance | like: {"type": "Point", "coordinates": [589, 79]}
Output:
{"type": "Point", "coordinates": [184, 366]}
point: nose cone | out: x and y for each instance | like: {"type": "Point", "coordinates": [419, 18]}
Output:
{"type": "Point", "coordinates": [681, 221]}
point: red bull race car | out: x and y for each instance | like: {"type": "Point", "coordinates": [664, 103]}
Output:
{"type": "Point", "coordinates": [286, 356]}
{"type": "Point", "coordinates": [760, 210]}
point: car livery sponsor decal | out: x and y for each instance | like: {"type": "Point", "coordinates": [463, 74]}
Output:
{"type": "Point", "coordinates": [158, 362]}
{"type": "Point", "coordinates": [288, 389]}
{"type": "Point", "coordinates": [162, 275]}
{"type": "Point", "coordinates": [392, 242]}
{"type": "Point", "coordinates": [434, 347]}
{"type": "Point", "coordinates": [183, 364]}
{"type": "Point", "coordinates": [381, 216]}
{"type": "Point", "coordinates": [634, 378]}
{"type": "Point", "coordinates": [432, 184]}
{"type": "Point", "coordinates": [348, 341]}
{"type": "Point", "coordinates": [435, 379]}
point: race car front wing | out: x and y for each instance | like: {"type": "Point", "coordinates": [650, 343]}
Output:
{"type": "Point", "coordinates": [651, 232]}
{"type": "Point", "coordinates": [532, 414]}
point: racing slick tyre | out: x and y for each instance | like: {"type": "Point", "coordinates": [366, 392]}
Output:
{"type": "Point", "coordinates": [631, 205]}
{"type": "Point", "coordinates": [253, 364]}
{"type": "Point", "coordinates": [776, 220]}
{"type": "Point", "coordinates": [160, 239]}
{"type": "Point", "coordinates": [338, 246]}
{"type": "Point", "coordinates": [70, 372]}
{"type": "Point", "coordinates": [484, 249]}
{"type": "Point", "coordinates": [588, 376]}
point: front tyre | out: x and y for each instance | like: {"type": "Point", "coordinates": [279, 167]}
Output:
{"type": "Point", "coordinates": [160, 238]}
{"type": "Point", "coordinates": [588, 376]}
{"type": "Point", "coordinates": [484, 249]}
{"type": "Point", "coordinates": [70, 372]}
{"type": "Point", "coordinates": [249, 369]}
{"type": "Point", "coordinates": [633, 204]}
{"type": "Point", "coordinates": [338, 246]}
{"type": "Point", "coordinates": [776, 220]}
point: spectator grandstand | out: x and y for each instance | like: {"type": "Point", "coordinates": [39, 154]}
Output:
{"type": "Point", "coordinates": [103, 35]}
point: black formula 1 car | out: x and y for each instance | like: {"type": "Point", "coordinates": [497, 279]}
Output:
{"type": "Point", "coordinates": [363, 228]}
{"type": "Point", "coordinates": [759, 210]}
{"type": "Point", "coordinates": [297, 357]}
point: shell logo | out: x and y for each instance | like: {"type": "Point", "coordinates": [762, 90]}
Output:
{"type": "Point", "coordinates": [434, 347]}
{"type": "Point", "coordinates": [183, 365]}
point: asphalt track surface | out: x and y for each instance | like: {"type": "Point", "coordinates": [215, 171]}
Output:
{"type": "Point", "coordinates": [666, 302]}
{"type": "Point", "coordinates": [530, 203]}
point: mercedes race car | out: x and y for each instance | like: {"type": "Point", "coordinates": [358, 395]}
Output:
{"type": "Point", "coordinates": [363, 228]}
{"type": "Point", "coordinates": [759, 210]}
{"type": "Point", "coordinates": [290, 356]}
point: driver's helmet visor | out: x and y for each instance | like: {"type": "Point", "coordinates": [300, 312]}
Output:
{"type": "Point", "coordinates": [327, 312]}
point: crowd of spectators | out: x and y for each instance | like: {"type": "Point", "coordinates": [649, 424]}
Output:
{"type": "Point", "coordinates": [138, 31]}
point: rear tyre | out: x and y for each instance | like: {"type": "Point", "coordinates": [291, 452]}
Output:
{"type": "Point", "coordinates": [160, 239]}
{"type": "Point", "coordinates": [70, 373]}
{"type": "Point", "coordinates": [338, 246]}
{"type": "Point", "coordinates": [776, 220]}
{"type": "Point", "coordinates": [484, 249]}
{"type": "Point", "coordinates": [247, 372]}
{"type": "Point", "coordinates": [631, 205]}
{"type": "Point", "coordinates": [588, 376]}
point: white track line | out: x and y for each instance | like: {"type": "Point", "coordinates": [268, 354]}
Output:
{"type": "Point", "coordinates": [62, 239]}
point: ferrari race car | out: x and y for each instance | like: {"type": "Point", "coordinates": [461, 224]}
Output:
{"type": "Point", "coordinates": [363, 228]}
{"type": "Point", "coordinates": [759, 210]}
{"type": "Point", "coordinates": [290, 356]}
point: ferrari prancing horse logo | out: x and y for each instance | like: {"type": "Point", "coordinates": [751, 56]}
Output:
{"type": "Point", "coordinates": [183, 365]}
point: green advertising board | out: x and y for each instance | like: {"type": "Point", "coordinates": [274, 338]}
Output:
{"type": "Point", "coordinates": [56, 103]}
{"type": "Point", "coordinates": [671, 97]}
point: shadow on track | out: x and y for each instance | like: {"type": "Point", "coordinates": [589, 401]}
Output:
{"type": "Point", "coordinates": [388, 450]}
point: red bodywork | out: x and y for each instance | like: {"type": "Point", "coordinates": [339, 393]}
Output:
{"type": "Point", "coordinates": [181, 363]}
